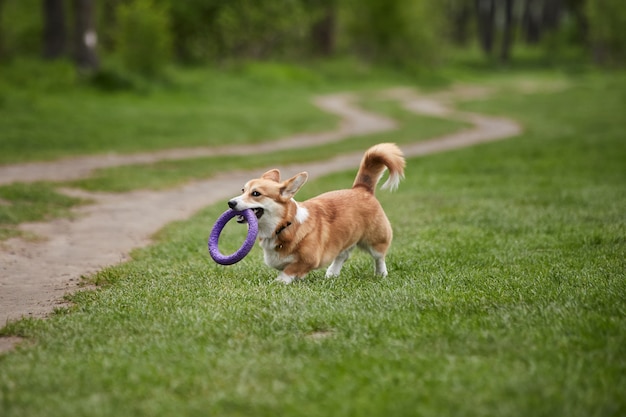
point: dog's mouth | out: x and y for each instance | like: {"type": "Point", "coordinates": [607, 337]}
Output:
{"type": "Point", "coordinates": [258, 212]}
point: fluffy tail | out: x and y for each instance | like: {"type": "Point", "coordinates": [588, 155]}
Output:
{"type": "Point", "coordinates": [373, 164]}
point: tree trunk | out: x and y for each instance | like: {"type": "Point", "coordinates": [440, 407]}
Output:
{"type": "Point", "coordinates": [486, 21]}
{"type": "Point", "coordinates": [85, 38]}
{"type": "Point", "coordinates": [507, 36]}
{"type": "Point", "coordinates": [531, 22]}
{"type": "Point", "coordinates": [577, 9]}
{"type": "Point", "coordinates": [2, 52]}
{"type": "Point", "coordinates": [109, 25]}
{"type": "Point", "coordinates": [551, 14]}
{"type": "Point", "coordinates": [54, 32]}
{"type": "Point", "coordinates": [323, 33]}
{"type": "Point", "coordinates": [460, 16]}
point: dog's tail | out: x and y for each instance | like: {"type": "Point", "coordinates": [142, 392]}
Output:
{"type": "Point", "coordinates": [373, 164]}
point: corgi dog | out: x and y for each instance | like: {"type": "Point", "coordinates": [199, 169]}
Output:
{"type": "Point", "coordinates": [298, 237]}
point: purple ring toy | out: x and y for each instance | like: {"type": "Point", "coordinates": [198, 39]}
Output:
{"type": "Point", "coordinates": [253, 231]}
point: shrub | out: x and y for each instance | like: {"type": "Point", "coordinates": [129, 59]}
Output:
{"type": "Point", "coordinates": [607, 20]}
{"type": "Point", "coordinates": [144, 40]}
{"type": "Point", "coordinates": [406, 33]}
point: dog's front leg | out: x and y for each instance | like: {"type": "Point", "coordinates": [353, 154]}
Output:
{"type": "Point", "coordinates": [335, 268]}
{"type": "Point", "coordinates": [294, 271]}
{"type": "Point", "coordinates": [285, 278]}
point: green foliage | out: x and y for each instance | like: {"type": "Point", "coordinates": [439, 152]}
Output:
{"type": "Point", "coordinates": [144, 40]}
{"type": "Point", "coordinates": [20, 29]}
{"type": "Point", "coordinates": [31, 77]}
{"type": "Point", "coordinates": [404, 32]}
{"type": "Point", "coordinates": [193, 29]}
{"type": "Point", "coordinates": [407, 33]}
{"type": "Point", "coordinates": [220, 30]}
{"type": "Point", "coordinates": [146, 34]}
{"type": "Point", "coordinates": [607, 20]}
{"type": "Point", "coordinates": [260, 29]}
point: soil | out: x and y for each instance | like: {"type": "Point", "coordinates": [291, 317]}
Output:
{"type": "Point", "coordinates": [35, 274]}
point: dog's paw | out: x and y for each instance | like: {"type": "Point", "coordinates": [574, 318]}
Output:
{"type": "Point", "coordinates": [284, 278]}
{"type": "Point", "coordinates": [331, 273]}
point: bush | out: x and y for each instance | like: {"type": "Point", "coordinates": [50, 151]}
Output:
{"type": "Point", "coordinates": [144, 40]}
{"type": "Point", "coordinates": [406, 33]}
{"type": "Point", "coordinates": [259, 30]}
{"type": "Point", "coordinates": [607, 20]}
{"type": "Point", "coordinates": [20, 29]}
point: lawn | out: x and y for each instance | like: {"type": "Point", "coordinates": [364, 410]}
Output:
{"type": "Point", "coordinates": [61, 116]}
{"type": "Point", "coordinates": [41, 120]}
{"type": "Point", "coordinates": [22, 202]}
{"type": "Point", "coordinates": [412, 128]}
{"type": "Point", "coordinates": [47, 113]}
{"type": "Point", "coordinates": [506, 297]}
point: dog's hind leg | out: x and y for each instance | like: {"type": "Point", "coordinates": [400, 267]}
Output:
{"type": "Point", "coordinates": [380, 267]}
{"type": "Point", "coordinates": [335, 268]}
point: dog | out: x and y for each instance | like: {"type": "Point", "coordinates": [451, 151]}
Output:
{"type": "Point", "coordinates": [299, 237]}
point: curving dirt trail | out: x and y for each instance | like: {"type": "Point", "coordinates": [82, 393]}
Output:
{"type": "Point", "coordinates": [34, 276]}
{"type": "Point", "coordinates": [354, 122]}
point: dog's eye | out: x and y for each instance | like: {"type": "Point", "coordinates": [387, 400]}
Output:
{"type": "Point", "coordinates": [256, 194]}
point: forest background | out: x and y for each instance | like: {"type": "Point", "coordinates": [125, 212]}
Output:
{"type": "Point", "coordinates": [113, 41]}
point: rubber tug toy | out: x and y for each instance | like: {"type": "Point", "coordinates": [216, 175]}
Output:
{"type": "Point", "coordinates": [253, 230]}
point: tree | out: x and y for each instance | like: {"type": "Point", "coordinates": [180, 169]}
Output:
{"type": "Point", "coordinates": [401, 32]}
{"type": "Point", "coordinates": [54, 32]}
{"type": "Point", "coordinates": [1, 30]}
{"type": "Point", "coordinates": [85, 37]}
{"type": "Point", "coordinates": [486, 10]}
{"type": "Point", "coordinates": [551, 14]}
{"type": "Point", "coordinates": [323, 29]}
{"type": "Point", "coordinates": [607, 19]}
{"type": "Point", "coordinates": [460, 16]}
{"type": "Point", "coordinates": [143, 39]}
{"type": "Point", "coordinates": [531, 21]}
{"type": "Point", "coordinates": [507, 33]}
{"type": "Point", "coordinates": [193, 23]}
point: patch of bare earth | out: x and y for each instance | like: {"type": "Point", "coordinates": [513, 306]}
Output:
{"type": "Point", "coordinates": [35, 275]}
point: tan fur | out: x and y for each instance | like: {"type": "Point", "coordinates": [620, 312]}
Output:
{"type": "Point", "coordinates": [299, 237]}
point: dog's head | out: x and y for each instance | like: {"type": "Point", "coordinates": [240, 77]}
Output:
{"type": "Point", "coordinates": [267, 197]}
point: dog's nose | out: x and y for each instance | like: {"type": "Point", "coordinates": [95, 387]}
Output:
{"type": "Point", "coordinates": [232, 204]}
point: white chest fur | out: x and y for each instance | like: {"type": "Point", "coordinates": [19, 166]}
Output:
{"type": "Point", "coordinates": [272, 257]}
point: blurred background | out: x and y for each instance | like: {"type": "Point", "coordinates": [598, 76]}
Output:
{"type": "Point", "coordinates": [120, 76]}
{"type": "Point", "coordinates": [117, 39]}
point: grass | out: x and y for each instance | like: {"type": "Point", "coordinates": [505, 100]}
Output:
{"type": "Point", "coordinates": [171, 173]}
{"type": "Point", "coordinates": [48, 112]}
{"type": "Point", "coordinates": [21, 203]}
{"type": "Point", "coordinates": [506, 297]}
{"type": "Point", "coordinates": [202, 107]}
{"type": "Point", "coordinates": [61, 117]}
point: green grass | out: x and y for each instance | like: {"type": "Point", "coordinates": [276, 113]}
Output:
{"type": "Point", "coordinates": [164, 174]}
{"type": "Point", "coordinates": [506, 297]}
{"type": "Point", "coordinates": [49, 119]}
{"type": "Point", "coordinates": [48, 113]}
{"type": "Point", "coordinates": [21, 203]}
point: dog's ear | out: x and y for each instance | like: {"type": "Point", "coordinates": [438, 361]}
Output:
{"type": "Point", "coordinates": [292, 185]}
{"type": "Point", "coordinates": [272, 175]}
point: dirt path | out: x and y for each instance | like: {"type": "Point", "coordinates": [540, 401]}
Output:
{"type": "Point", "coordinates": [353, 122]}
{"type": "Point", "coordinates": [34, 276]}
